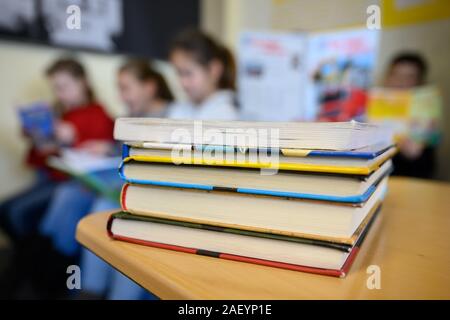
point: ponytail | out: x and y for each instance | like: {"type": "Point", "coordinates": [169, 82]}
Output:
{"type": "Point", "coordinates": [228, 78]}
{"type": "Point", "coordinates": [205, 49]}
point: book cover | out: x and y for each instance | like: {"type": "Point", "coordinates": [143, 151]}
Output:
{"type": "Point", "coordinates": [413, 113]}
{"type": "Point", "coordinates": [340, 67]}
{"type": "Point", "coordinates": [37, 121]}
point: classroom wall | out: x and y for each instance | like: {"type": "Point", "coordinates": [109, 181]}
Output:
{"type": "Point", "coordinates": [312, 15]}
{"type": "Point", "coordinates": [22, 80]}
{"type": "Point", "coordinates": [212, 17]}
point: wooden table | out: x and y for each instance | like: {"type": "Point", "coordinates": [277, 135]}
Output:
{"type": "Point", "coordinates": [410, 242]}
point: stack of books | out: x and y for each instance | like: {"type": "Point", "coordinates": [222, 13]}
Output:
{"type": "Point", "coordinates": [299, 196]}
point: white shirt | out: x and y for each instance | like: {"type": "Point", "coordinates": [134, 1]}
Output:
{"type": "Point", "coordinates": [219, 106]}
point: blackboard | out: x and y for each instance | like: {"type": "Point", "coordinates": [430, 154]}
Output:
{"type": "Point", "coordinates": [141, 27]}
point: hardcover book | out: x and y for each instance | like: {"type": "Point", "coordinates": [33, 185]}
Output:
{"type": "Point", "coordinates": [261, 213]}
{"type": "Point", "coordinates": [302, 185]}
{"type": "Point", "coordinates": [282, 252]}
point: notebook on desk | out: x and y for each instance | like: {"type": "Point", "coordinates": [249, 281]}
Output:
{"type": "Point", "coordinates": [88, 169]}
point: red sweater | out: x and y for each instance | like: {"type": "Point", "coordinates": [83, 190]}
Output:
{"type": "Point", "coordinates": [91, 122]}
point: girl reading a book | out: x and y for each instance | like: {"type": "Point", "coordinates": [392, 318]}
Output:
{"type": "Point", "coordinates": [207, 71]}
{"type": "Point", "coordinates": [408, 70]}
{"type": "Point", "coordinates": [80, 121]}
{"type": "Point", "coordinates": [145, 93]}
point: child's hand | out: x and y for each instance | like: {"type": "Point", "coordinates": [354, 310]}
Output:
{"type": "Point", "coordinates": [65, 133]}
{"type": "Point", "coordinates": [410, 149]}
{"type": "Point", "coordinates": [48, 147]}
{"type": "Point", "coordinates": [97, 147]}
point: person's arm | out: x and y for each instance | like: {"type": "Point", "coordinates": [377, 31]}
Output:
{"type": "Point", "coordinates": [92, 131]}
{"type": "Point", "coordinates": [65, 133]}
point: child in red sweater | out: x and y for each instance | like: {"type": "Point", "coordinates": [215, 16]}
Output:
{"type": "Point", "coordinates": [80, 122]}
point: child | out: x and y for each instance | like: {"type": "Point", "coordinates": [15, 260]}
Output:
{"type": "Point", "coordinates": [406, 71]}
{"type": "Point", "coordinates": [145, 94]}
{"type": "Point", "coordinates": [143, 90]}
{"type": "Point", "coordinates": [207, 72]}
{"type": "Point", "coordinates": [79, 121]}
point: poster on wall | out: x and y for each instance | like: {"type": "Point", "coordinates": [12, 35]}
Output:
{"type": "Point", "coordinates": [105, 26]}
{"type": "Point", "coordinates": [16, 16]}
{"type": "Point", "coordinates": [306, 77]}
{"type": "Point", "coordinates": [101, 21]}
{"type": "Point", "coordinates": [271, 68]}
{"type": "Point", "coordinates": [340, 69]}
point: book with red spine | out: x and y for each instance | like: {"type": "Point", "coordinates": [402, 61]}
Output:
{"type": "Point", "coordinates": [115, 233]}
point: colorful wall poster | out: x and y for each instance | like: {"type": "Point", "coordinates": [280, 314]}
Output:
{"type": "Point", "coordinates": [271, 76]}
{"type": "Point", "coordinates": [339, 72]}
